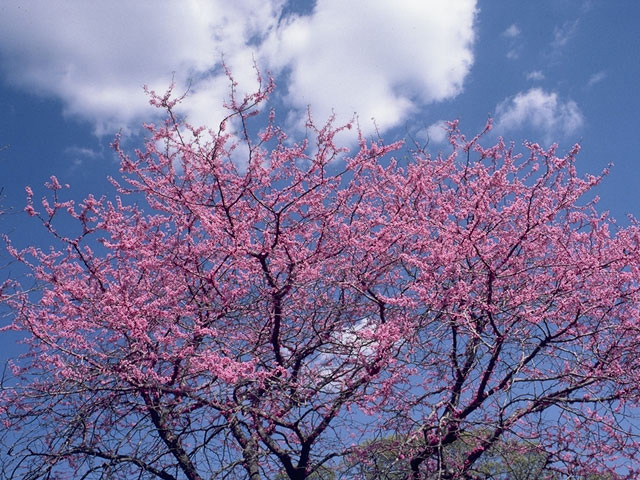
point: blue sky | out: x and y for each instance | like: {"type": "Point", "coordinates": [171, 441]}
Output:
{"type": "Point", "coordinates": [71, 76]}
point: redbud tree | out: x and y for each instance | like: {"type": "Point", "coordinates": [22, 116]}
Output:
{"type": "Point", "coordinates": [250, 306]}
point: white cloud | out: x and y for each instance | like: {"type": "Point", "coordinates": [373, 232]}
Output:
{"type": "Point", "coordinates": [596, 78]}
{"type": "Point", "coordinates": [511, 32]}
{"type": "Point", "coordinates": [378, 59]}
{"type": "Point", "coordinates": [543, 111]}
{"type": "Point", "coordinates": [436, 133]}
{"type": "Point", "coordinates": [77, 156]}
{"type": "Point", "coordinates": [77, 151]}
{"type": "Point", "coordinates": [535, 75]}
{"type": "Point", "coordinates": [513, 54]}
{"type": "Point", "coordinates": [95, 56]}
{"type": "Point", "coordinates": [564, 33]}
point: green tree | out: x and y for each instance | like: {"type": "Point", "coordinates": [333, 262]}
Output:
{"type": "Point", "coordinates": [509, 459]}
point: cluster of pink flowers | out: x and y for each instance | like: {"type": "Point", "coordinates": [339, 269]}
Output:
{"type": "Point", "coordinates": [250, 316]}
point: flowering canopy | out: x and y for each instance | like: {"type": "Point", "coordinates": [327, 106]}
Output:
{"type": "Point", "coordinates": [289, 314]}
